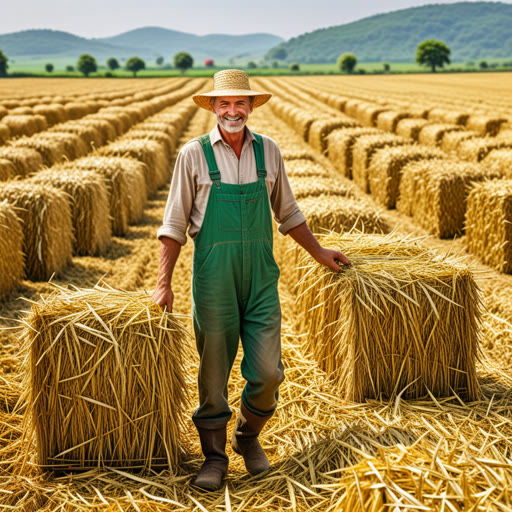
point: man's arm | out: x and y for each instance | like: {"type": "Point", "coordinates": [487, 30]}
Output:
{"type": "Point", "coordinates": [169, 252]}
{"type": "Point", "coordinates": [303, 236]}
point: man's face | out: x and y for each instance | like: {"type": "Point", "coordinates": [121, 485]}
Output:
{"type": "Point", "coordinates": [232, 112]}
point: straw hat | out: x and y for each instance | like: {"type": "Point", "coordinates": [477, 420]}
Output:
{"type": "Point", "coordinates": [231, 82]}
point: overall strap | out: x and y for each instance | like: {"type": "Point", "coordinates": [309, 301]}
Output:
{"type": "Point", "coordinates": [259, 155]}
{"type": "Point", "coordinates": [213, 170]}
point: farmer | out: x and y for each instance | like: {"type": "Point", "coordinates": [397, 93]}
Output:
{"type": "Point", "coordinates": [223, 189]}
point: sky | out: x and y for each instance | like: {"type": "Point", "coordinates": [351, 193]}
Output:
{"type": "Point", "coordinates": [103, 18]}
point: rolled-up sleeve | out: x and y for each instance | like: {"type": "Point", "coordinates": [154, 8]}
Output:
{"type": "Point", "coordinates": [180, 201]}
{"type": "Point", "coordinates": [287, 213]}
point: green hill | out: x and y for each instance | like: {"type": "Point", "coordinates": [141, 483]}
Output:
{"type": "Point", "coordinates": [472, 30]}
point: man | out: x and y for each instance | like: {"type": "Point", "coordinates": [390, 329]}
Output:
{"type": "Point", "coordinates": [224, 187]}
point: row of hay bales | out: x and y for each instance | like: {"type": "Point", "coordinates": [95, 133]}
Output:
{"type": "Point", "coordinates": [27, 120]}
{"type": "Point", "coordinates": [73, 208]}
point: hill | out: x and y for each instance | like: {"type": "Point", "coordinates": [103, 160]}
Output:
{"type": "Point", "coordinates": [473, 30]}
{"type": "Point", "coordinates": [147, 43]}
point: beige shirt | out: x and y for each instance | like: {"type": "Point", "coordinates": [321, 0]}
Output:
{"type": "Point", "coordinates": [191, 184]}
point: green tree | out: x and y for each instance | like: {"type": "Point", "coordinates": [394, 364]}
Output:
{"type": "Point", "coordinates": [3, 64]}
{"type": "Point", "coordinates": [70, 68]}
{"type": "Point", "coordinates": [277, 53]}
{"type": "Point", "coordinates": [347, 62]}
{"type": "Point", "coordinates": [159, 61]}
{"type": "Point", "coordinates": [251, 65]}
{"type": "Point", "coordinates": [294, 66]}
{"type": "Point", "coordinates": [483, 64]}
{"type": "Point", "coordinates": [387, 67]}
{"type": "Point", "coordinates": [135, 64]}
{"type": "Point", "coordinates": [432, 53]}
{"type": "Point", "coordinates": [183, 61]}
{"type": "Point", "coordinates": [113, 64]}
{"type": "Point", "coordinates": [86, 64]}
{"type": "Point", "coordinates": [275, 64]}
{"type": "Point", "coordinates": [49, 67]}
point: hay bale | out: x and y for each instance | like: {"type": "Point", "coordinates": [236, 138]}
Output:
{"type": "Point", "coordinates": [475, 150]}
{"type": "Point", "coordinates": [500, 160]}
{"type": "Point", "coordinates": [25, 125]}
{"type": "Point", "coordinates": [90, 206]}
{"type": "Point", "coordinates": [303, 168]}
{"type": "Point", "coordinates": [47, 228]}
{"type": "Point", "coordinates": [368, 114]}
{"type": "Point", "coordinates": [389, 119]}
{"type": "Point", "coordinates": [103, 126]}
{"type": "Point", "coordinates": [74, 146]}
{"type": "Point", "coordinates": [5, 133]}
{"type": "Point", "coordinates": [440, 115]}
{"type": "Point", "coordinates": [135, 115]}
{"type": "Point", "coordinates": [385, 169]}
{"type": "Point", "coordinates": [432, 134]}
{"type": "Point", "coordinates": [161, 137]}
{"type": "Point", "coordinates": [489, 223]}
{"type": "Point", "coordinates": [106, 379]}
{"type": "Point", "coordinates": [75, 110]}
{"type": "Point", "coordinates": [364, 148]}
{"type": "Point", "coordinates": [314, 186]}
{"type": "Point", "coordinates": [120, 123]}
{"type": "Point", "coordinates": [11, 253]}
{"type": "Point", "coordinates": [399, 321]}
{"type": "Point", "coordinates": [296, 152]}
{"type": "Point", "coordinates": [52, 151]}
{"type": "Point", "coordinates": [21, 111]}
{"type": "Point", "coordinates": [3, 111]}
{"type": "Point", "coordinates": [339, 147]}
{"type": "Point", "coordinates": [451, 141]}
{"type": "Point", "coordinates": [90, 135]}
{"type": "Point", "coordinates": [434, 193]}
{"type": "Point", "coordinates": [53, 113]}
{"type": "Point", "coordinates": [25, 160]}
{"type": "Point", "coordinates": [319, 130]}
{"type": "Point", "coordinates": [411, 128]}
{"type": "Point", "coordinates": [151, 153]}
{"type": "Point", "coordinates": [126, 182]}
{"type": "Point", "coordinates": [352, 107]}
{"type": "Point", "coordinates": [341, 214]}
{"type": "Point", "coordinates": [485, 124]}
{"type": "Point", "coordinates": [7, 170]}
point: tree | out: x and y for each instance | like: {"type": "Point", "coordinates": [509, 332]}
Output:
{"type": "Point", "coordinates": [277, 53]}
{"type": "Point", "coordinates": [183, 61]}
{"type": "Point", "coordinates": [347, 62]}
{"type": "Point", "coordinates": [209, 63]}
{"type": "Point", "coordinates": [3, 64]}
{"type": "Point", "coordinates": [251, 65]}
{"type": "Point", "coordinates": [49, 67]}
{"type": "Point", "coordinates": [135, 64]}
{"type": "Point", "coordinates": [159, 61]}
{"type": "Point", "coordinates": [275, 64]}
{"type": "Point", "coordinates": [86, 64]}
{"type": "Point", "coordinates": [387, 67]}
{"type": "Point", "coordinates": [483, 64]}
{"type": "Point", "coordinates": [432, 53]}
{"type": "Point", "coordinates": [113, 64]}
{"type": "Point", "coordinates": [294, 66]}
{"type": "Point", "coordinates": [70, 68]}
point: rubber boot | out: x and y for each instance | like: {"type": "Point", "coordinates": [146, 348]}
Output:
{"type": "Point", "coordinates": [245, 441]}
{"type": "Point", "coordinates": [215, 465]}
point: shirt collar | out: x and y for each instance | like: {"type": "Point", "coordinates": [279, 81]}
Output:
{"type": "Point", "coordinates": [215, 136]}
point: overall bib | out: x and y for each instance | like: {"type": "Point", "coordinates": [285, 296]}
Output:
{"type": "Point", "coordinates": [235, 296]}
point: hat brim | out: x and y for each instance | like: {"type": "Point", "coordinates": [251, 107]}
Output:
{"type": "Point", "coordinates": [203, 100]}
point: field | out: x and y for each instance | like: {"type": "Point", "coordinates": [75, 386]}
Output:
{"type": "Point", "coordinates": [425, 159]}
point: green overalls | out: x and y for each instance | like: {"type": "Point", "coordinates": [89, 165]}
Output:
{"type": "Point", "coordinates": [234, 295]}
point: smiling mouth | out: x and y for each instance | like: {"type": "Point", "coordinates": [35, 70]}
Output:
{"type": "Point", "coordinates": [232, 119]}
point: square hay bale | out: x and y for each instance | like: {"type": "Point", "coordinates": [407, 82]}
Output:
{"type": "Point", "coordinates": [319, 130]}
{"type": "Point", "coordinates": [296, 152]}
{"type": "Point", "coordinates": [386, 166]}
{"type": "Point", "coordinates": [389, 119]}
{"type": "Point", "coordinates": [5, 133]}
{"type": "Point", "coordinates": [151, 153]}
{"type": "Point", "coordinates": [25, 125]}
{"type": "Point", "coordinates": [106, 380]}
{"type": "Point", "coordinates": [45, 213]}
{"type": "Point", "coordinates": [398, 321]}
{"type": "Point", "coordinates": [489, 223]}
{"type": "Point", "coordinates": [74, 146]}
{"type": "Point", "coordinates": [439, 115]}
{"type": "Point", "coordinates": [89, 134]}
{"type": "Point", "coordinates": [120, 122]}
{"type": "Point", "coordinates": [21, 111]}
{"type": "Point", "coordinates": [126, 182]}
{"type": "Point", "coordinates": [76, 110]}
{"type": "Point", "coordinates": [485, 124]}
{"type": "Point", "coordinates": [314, 186]}
{"type": "Point", "coordinates": [411, 128]}
{"type": "Point", "coordinates": [500, 160]}
{"type": "Point", "coordinates": [161, 137]}
{"type": "Point", "coordinates": [338, 213]}
{"type": "Point", "coordinates": [451, 141]}
{"type": "Point", "coordinates": [363, 150]}
{"type": "Point", "coordinates": [432, 134]}
{"type": "Point", "coordinates": [339, 147]}
{"type": "Point", "coordinates": [434, 193]}
{"type": "Point", "coordinates": [53, 113]}
{"type": "Point", "coordinates": [52, 150]}
{"type": "Point", "coordinates": [135, 115]}
{"type": "Point", "coordinates": [24, 160]}
{"type": "Point", "coordinates": [7, 170]}
{"type": "Point", "coordinates": [106, 128]}
{"type": "Point", "coordinates": [475, 150]}
{"type": "Point", "coordinates": [90, 206]}
{"type": "Point", "coordinates": [303, 168]}
{"type": "Point", "coordinates": [11, 249]}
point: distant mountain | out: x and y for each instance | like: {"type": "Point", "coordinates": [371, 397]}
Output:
{"type": "Point", "coordinates": [472, 30]}
{"type": "Point", "coordinates": [147, 43]}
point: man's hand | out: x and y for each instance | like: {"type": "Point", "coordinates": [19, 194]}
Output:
{"type": "Point", "coordinates": [330, 258]}
{"type": "Point", "coordinates": [164, 297]}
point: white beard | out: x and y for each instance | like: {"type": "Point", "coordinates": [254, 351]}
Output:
{"type": "Point", "coordinates": [231, 129]}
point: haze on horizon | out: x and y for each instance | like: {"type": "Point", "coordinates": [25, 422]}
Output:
{"type": "Point", "coordinates": [104, 18]}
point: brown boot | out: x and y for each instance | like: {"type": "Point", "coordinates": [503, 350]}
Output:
{"type": "Point", "coordinates": [215, 465]}
{"type": "Point", "coordinates": [245, 441]}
